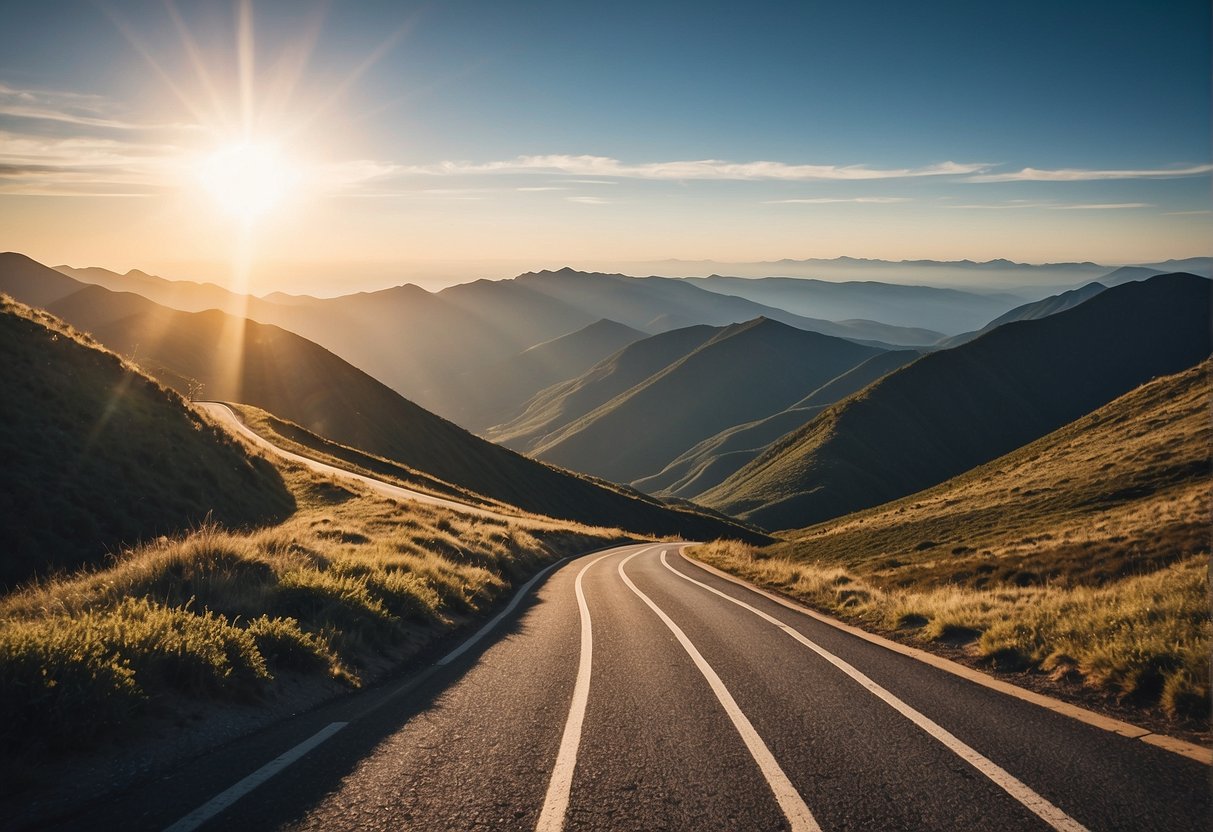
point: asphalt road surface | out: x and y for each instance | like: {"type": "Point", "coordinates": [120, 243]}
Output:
{"type": "Point", "coordinates": [634, 690]}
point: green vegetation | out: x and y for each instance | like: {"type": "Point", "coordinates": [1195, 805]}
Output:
{"type": "Point", "coordinates": [350, 584]}
{"type": "Point", "coordinates": [1084, 554]}
{"type": "Point", "coordinates": [96, 455]}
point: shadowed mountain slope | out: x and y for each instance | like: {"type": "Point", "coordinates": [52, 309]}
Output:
{"type": "Point", "coordinates": [747, 371]}
{"type": "Point", "coordinates": [1118, 492]}
{"type": "Point", "coordinates": [954, 409]}
{"type": "Point", "coordinates": [931, 310]}
{"type": "Point", "coordinates": [553, 408]}
{"type": "Point", "coordinates": [97, 455]}
{"type": "Point", "coordinates": [500, 389]}
{"type": "Point", "coordinates": [227, 358]}
{"type": "Point", "coordinates": [1030, 312]}
{"type": "Point", "coordinates": [716, 458]}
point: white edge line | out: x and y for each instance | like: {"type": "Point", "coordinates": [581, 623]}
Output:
{"type": "Point", "coordinates": [556, 799]}
{"type": "Point", "coordinates": [496, 619]}
{"type": "Point", "coordinates": [800, 819]}
{"type": "Point", "coordinates": [1183, 748]}
{"type": "Point", "coordinates": [230, 795]}
{"type": "Point", "coordinates": [1002, 778]}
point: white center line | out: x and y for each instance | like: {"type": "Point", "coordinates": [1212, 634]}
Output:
{"type": "Point", "coordinates": [1038, 805]}
{"type": "Point", "coordinates": [799, 817]}
{"type": "Point", "coordinates": [556, 801]}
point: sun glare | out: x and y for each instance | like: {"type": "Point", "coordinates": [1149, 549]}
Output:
{"type": "Point", "coordinates": [248, 179]}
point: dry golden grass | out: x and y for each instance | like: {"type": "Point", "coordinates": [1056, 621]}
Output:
{"type": "Point", "coordinates": [349, 585]}
{"type": "Point", "coordinates": [1084, 553]}
{"type": "Point", "coordinates": [1147, 637]}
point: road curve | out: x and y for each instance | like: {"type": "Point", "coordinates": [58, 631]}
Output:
{"type": "Point", "coordinates": [229, 419]}
{"type": "Point", "coordinates": [635, 690]}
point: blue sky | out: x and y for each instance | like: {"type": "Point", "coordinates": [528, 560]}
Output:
{"type": "Point", "coordinates": [502, 134]}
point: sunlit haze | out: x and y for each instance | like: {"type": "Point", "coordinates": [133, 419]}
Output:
{"type": "Point", "coordinates": [327, 148]}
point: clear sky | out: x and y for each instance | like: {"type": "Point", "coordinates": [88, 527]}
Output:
{"type": "Point", "coordinates": [379, 142]}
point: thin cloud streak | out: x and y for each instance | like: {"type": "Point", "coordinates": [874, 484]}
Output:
{"type": "Point", "coordinates": [702, 169]}
{"type": "Point", "coordinates": [831, 200]}
{"type": "Point", "coordinates": [1083, 175]}
{"type": "Point", "coordinates": [1024, 204]}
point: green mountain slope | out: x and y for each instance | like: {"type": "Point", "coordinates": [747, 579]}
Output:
{"type": "Point", "coordinates": [716, 458]}
{"type": "Point", "coordinates": [97, 455]}
{"type": "Point", "coordinates": [958, 408]}
{"type": "Point", "coordinates": [553, 408]}
{"type": "Point", "coordinates": [747, 371]}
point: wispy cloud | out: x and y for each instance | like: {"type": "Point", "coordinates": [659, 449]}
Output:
{"type": "Point", "coordinates": [831, 200]}
{"type": "Point", "coordinates": [1101, 206]}
{"type": "Point", "coordinates": [1187, 213]}
{"type": "Point", "coordinates": [709, 169]}
{"type": "Point", "coordinates": [1090, 175]}
{"type": "Point", "coordinates": [588, 200]}
{"type": "Point", "coordinates": [83, 165]}
{"type": "Point", "coordinates": [1021, 204]}
{"type": "Point", "coordinates": [69, 108]}
{"type": "Point", "coordinates": [544, 188]}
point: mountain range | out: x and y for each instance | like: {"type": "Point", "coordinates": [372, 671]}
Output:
{"type": "Point", "coordinates": [219, 356]}
{"type": "Point", "coordinates": [954, 409]}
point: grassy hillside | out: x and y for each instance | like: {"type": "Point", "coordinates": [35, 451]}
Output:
{"type": "Point", "coordinates": [497, 391]}
{"type": "Point", "coordinates": [955, 409]}
{"type": "Point", "coordinates": [217, 356]}
{"type": "Point", "coordinates": [716, 458]}
{"type": "Point", "coordinates": [1084, 554]}
{"type": "Point", "coordinates": [552, 409]}
{"type": "Point", "coordinates": [342, 591]}
{"type": "Point", "coordinates": [97, 455]}
{"type": "Point", "coordinates": [747, 371]}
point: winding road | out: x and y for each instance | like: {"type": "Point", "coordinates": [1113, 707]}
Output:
{"type": "Point", "coordinates": [636, 689]}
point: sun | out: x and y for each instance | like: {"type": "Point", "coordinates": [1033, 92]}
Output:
{"type": "Point", "coordinates": [248, 179]}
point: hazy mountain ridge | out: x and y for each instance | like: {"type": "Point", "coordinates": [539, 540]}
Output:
{"type": "Point", "coordinates": [931, 311]}
{"type": "Point", "coordinates": [552, 409]}
{"type": "Point", "coordinates": [1030, 312]}
{"type": "Point", "coordinates": [955, 409]}
{"type": "Point", "coordinates": [494, 391]}
{"type": "Point", "coordinates": [746, 371]}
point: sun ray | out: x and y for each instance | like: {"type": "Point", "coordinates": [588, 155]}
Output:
{"type": "Point", "coordinates": [221, 115]}
{"type": "Point", "coordinates": [246, 56]}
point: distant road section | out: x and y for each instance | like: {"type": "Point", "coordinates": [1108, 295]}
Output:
{"type": "Point", "coordinates": [229, 418]}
